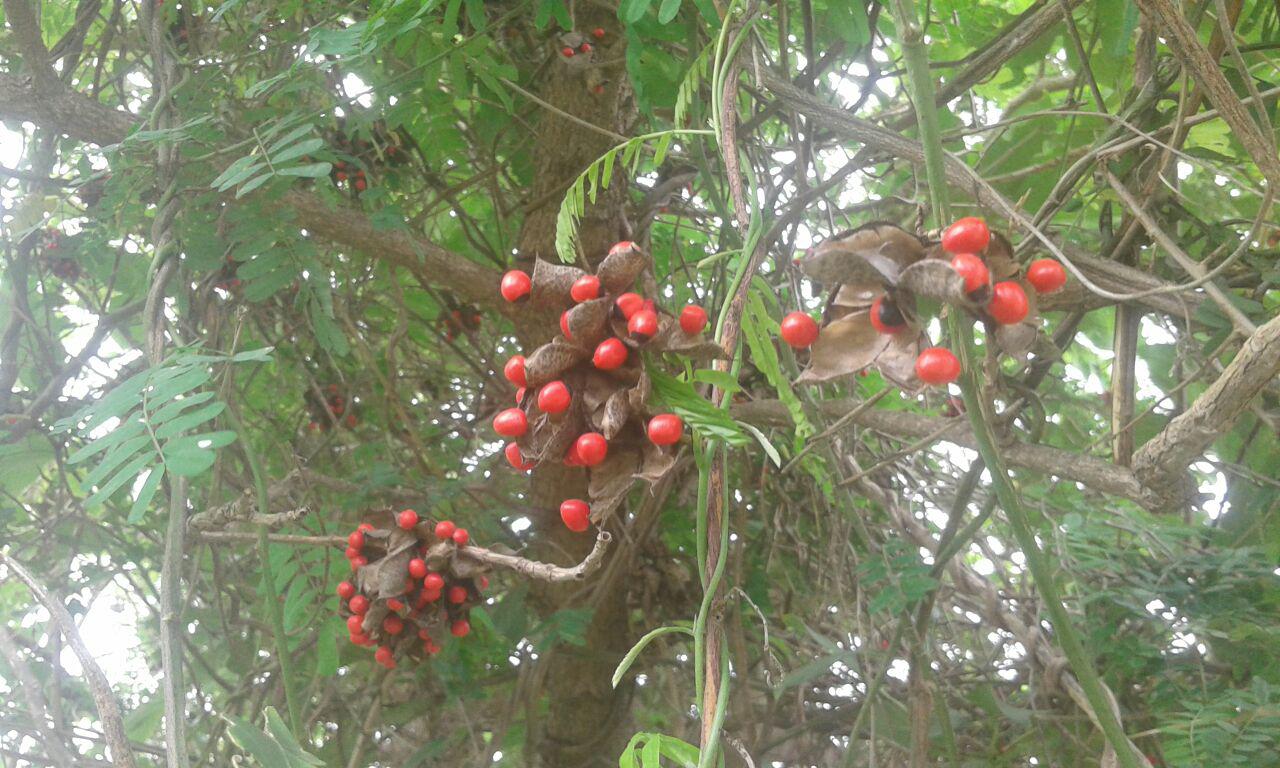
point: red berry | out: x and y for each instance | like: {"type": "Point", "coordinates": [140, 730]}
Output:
{"type": "Point", "coordinates": [515, 458]}
{"type": "Point", "coordinates": [598, 33]}
{"type": "Point", "coordinates": [434, 582]}
{"type": "Point", "coordinates": [428, 596]}
{"type": "Point", "coordinates": [359, 604]}
{"type": "Point", "coordinates": [571, 458]}
{"type": "Point", "coordinates": [620, 246]}
{"type": "Point", "coordinates": [346, 590]}
{"type": "Point", "coordinates": [461, 537]}
{"type": "Point", "coordinates": [665, 429]}
{"type": "Point", "coordinates": [1008, 303]}
{"type": "Point", "coordinates": [396, 605]}
{"type": "Point", "coordinates": [967, 235]}
{"type": "Point", "coordinates": [628, 304]}
{"type": "Point", "coordinates": [643, 325]}
{"type": "Point", "coordinates": [564, 325]}
{"type": "Point", "coordinates": [510, 423]}
{"type": "Point", "coordinates": [359, 562]}
{"type": "Point", "coordinates": [386, 657]}
{"type": "Point", "coordinates": [592, 448]}
{"type": "Point", "coordinates": [340, 176]}
{"type": "Point", "coordinates": [972, 269]}
{"type": "Point", "coordinates": [351, 420]}
{"type": "Point", "coordinates": [693, 319]}
{"type": "Point", "coordinates": [393, 625]}
{"type": "Point", "coordinates": [598, 89]}
{"type": "Point", "coordinates": [457, 595]}
{"type": "Point", "coordinates": [610, 354]}
{"type": "Point", "coordinates": [356, 540]}
{"type": "Point", "coordinates": [445, 529]}
{"type": "Point", "coordinates": [417, 568]}
{"type": "Point", "coordinates": [514, 371]}
{"type": "Point", "coordinates": [576, 515]}
{"type": "Point", "coordinates": [460, 628]}
{"type": "Point", "coordinates": [355, 624]}
{"type": "Point", "coordinates": [520, 394]}
{"type": "Point", "coordinates": [886, 318]}
{"type": "Point", "coordinates": [554, 397]}
{"type": "Point", "coordinates": [516, 285]}
{"type": "Point", "coordinates": [1046, 275]}
{"type": "Point", "coordinates": [365, 527]}
{"type": "Point", "coordinates": [407, 519]}
{"type": "Point", "coordinates": [352, 553]}
{"type": "Point", "coordinates": [585, 288]}
{"type": "Point", "coordinates": [566, 51]}
{"type": "Point", "coordinates": [799, 330]}
{"type": "Point", "coordinates": [361, 185]}
{"type": "Point", "coordinates": [585, 47]}
{"type": "Point", "coordinates": [937, 366]}
{"type": "Point", "coordinates": [484, 582]}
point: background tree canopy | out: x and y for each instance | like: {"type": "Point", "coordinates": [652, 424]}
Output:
{"type": "Point", "coordinates": [250, 299]}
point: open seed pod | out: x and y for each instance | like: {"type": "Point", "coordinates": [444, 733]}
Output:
{"type": "Point", "coordinates": [610, 399]}
{"type": "Point", "coordinates": [402, 606]}
{"type": "Point", "coordinates": [881, 264]}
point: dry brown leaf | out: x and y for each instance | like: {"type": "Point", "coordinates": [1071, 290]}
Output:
{"type": "Point", "coordinates": [656, 463]}
{"type": "Point", "coordinates": [614, 415]}
{"type": "Point", "coordinates": [621, 268]}
{"type": "Point", "coordinates": [999, 258]}
{"type": "Point", "coordinates": [875, 252]}
{"type": "Point", "coordinates": [843, 348]}
{"type": "Point", "coordinates": [610, 481]}
{"type": "Point", "coordinates": [551, 283]}
{"type": "Point", "coordinates": [385, 578]}
{"type": "Point", "coordinates": [897, 362]}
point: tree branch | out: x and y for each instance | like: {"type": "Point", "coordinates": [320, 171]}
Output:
{"type": "Point", "coordinates": [1095, 473]}
{"type": "Point", "coordinates": [1162, 462]}
{"type": "Point", "coordinates": [103, 698]}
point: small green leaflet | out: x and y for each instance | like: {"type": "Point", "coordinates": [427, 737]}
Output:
{"type": "Point", "coordinates": [275, 748]}
{"type": "Point", "coordinates": [287, 157]}
{"type": "Point", "coordinates": [155, 410]}
{"type": "Point", "coordinates": [696, 411]}
{"type": "Point", "coordinates": [757, 330]}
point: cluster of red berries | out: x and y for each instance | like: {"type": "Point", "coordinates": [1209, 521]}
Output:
{"type": "Point", "coordinates": [333, 409]}
{"type": "Point", "coordinates": [348, 174]}
{"type": "Point", "coordinates": [53, 256]}
{"type": "Point", "coordinates": [569, 51]}
{"type": "Point", "coordinates": [459, 320]}
{"type": "Point", "coordinates": [430, 591]}
{"type": "Point", "coordinates": [1004, 303]}
{"type": "Point", "coordinates": [633, 321]}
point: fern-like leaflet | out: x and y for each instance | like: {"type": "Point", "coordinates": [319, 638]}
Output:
{"type": "Point", "coordinates": [153, 411]}
{"type": "Point", "coordinates": [597, 177]}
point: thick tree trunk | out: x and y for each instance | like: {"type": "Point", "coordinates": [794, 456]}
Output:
{"type": "Point", "coordinates": [585, 717]}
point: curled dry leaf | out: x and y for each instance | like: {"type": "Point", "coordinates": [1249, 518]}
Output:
{"type": "Point", "coordinates": [551, 439]}
{"type": "Point", "coordinates": [655, 463]}
{"type": "Point", "coordinates": [934, 279]}
{"type": "Point", "coordinates": [851, 297]}
{"type": "Point", "coordinates": [610, 481]}
{"type": "Point", "coordinates": [999, 258]}
{"type": "Point", "coordinates": [589, 322]}
{"type": "Point", "coordinates": [621, 268]}
{"type": "Point", "coordinates": [843, 348]}
{"type": "Point", "coordinates": [613, 416]}
{"type": "Point", "coordinates": [875, 252]}
{"type": "Point", "coordinates": [549, 361]}
{"type": "Point", "coordinates": [385, 577]}
{"type": "Point", "coordinates": [672, 338]}
{"type": "Point", "coordinates": [897, 362]}
{"type": "Point", "coordinates": [551, 283]}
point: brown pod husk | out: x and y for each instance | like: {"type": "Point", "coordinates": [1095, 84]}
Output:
{"type": "Point", "coordinates": [999, 258]}
{"type": "Point", "coordinates": [621, 268]}
{"type": "Point", "coordinates": [551, 284]}
{"type": "Point", "coordinates": [549, 361]}
{"type": "Point", "coordinates": [934, 279]}
{"type": "Point", "coordinates": [843, 348]}
{"type": "Point", "coordinates": [875, 252]}
{"type": "Point", "coordinates": [589, 322]}
{"type": "Point", "coordinates": [897, 362]}
{"type": "Point", "coordinates": [610, 481]}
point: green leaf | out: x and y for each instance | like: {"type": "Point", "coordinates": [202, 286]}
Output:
{"type": "Point", "coordinates": [311, 171]}
{"type": "Point", "coordinates": [189, 421]}
{"type": "Point", "coordinates": [668, 11]}
{"type": "Point", "coordinates": [130, 470]}
{"type": "Point", "coordinates": [631, 11]}
{"type": "Point", "coordinates": [253, 184]}
{"type": "Point", "coordinates": [188, 462]}
{"type": "Point", "coordinates": [145, 494]}
{"type": "Point", "coordinates": [23, 461]}
{"type": "Point", "coordinates": [639, 647]}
